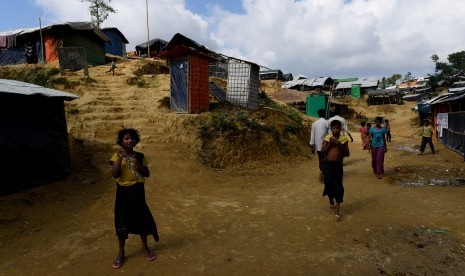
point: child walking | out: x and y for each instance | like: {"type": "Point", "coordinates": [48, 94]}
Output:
{"type": "Point", "coordinates": [132, 215]}
{"type": "Point", "coordinates": [426, 137]}
{"type": "Point", "coordinates": [378, 147]}
{"type": "Point", "coordinates": [112, 66]}
{"type": "Point", "coordinates": [368, 126]}
{"type": "Point", "coordinates": [363, 135]}
{"type": "Point", "coordinates": [387, 126]}
{"type": "Point", "coordinates": [335, 148]}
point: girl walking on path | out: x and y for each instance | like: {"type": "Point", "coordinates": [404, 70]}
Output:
{"type": "Point", "coordinates": [132, 215]}
{"type": "Point", "coordinates": [335, 148]}
{"type": "Point", "coordinates": [378, 147]}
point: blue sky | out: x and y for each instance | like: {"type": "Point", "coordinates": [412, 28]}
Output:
{"type": "Point", "coordinates": [336, 38]}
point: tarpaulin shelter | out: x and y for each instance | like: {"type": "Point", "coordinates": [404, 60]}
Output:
{"type": "Point", "coordinates": [384, 96]}
{"type": "Point", "coordinates": [156, 46]}
{"type": "Point", "coordinates": [34, 138]}
{"type": "Point", "coordinates": [345, 86]}
{"type": "Point", "coordinates": [69, 34]}
{"type": "Point", "coordinates": [117, 44]}
{"type": "Point", "coordinates": [189, 72]}
{"type": "Point", "coordinates": [303, 83]}
{"type": "Point", "coordinates": [449, 118]}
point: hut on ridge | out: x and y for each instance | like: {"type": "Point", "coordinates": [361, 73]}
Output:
{"type": "Point", "coordinates": [189, 71]}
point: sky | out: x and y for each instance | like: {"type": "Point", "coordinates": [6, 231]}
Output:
{"type": "Point", "coordinates": [316, 38]}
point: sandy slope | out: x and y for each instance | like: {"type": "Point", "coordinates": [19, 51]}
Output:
{"type": "Point", "coordinates": [268, 220]}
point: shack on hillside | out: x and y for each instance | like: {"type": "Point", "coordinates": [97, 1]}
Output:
{"type": "Point", "coordinates": [354, 87]}
{"type": "Point", "coordinates": [117, 42]}
{"type": "Point", "coordinates": [303, 83]}
{"type": "Point", "coordinates": [24, 45]}
{"type": "Point", "coordinates": [384, 96]}
{"type": "Point", "coordinates": [34, 135]}
{"type": "Point", "coordinates": [449, 119]}
{"type": "Point", "coordinates": [243, 83]}
{"type": "Point", "coordinates": [189, 72]}
{"type": "Point", "coordinates": [156, 46]}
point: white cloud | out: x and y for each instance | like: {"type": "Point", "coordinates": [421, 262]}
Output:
{"type": "Point", "coordinates": [334, 38]}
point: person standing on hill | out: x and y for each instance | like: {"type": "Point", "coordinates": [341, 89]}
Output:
{"type": "Point", "coordinates": [426, 137]}
{"type": "Point", "coordinates": [378, 147]}
{"type": "Point", "coordinates": [345, 129]}
{"type": "Point", "coordinates": [335, 148]}
{"type": "Point", "coordinates": [319, 131]}
{"type": "Point", "coordinates": [132, 215]}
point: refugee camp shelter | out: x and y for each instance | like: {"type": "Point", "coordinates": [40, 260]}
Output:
{"type": "Point", "coordinates": [34, 137]}
{"type": "Point", "coordinates": [156, 45]}
{"type": "Point", "coordinates": [354, 86]}
{"type": "Point", "coordinates": [243, 83]}
{"type": "Point", "coordinates": [449, 118]}
{"type": "Point", "coordinates": [24, 45]}
{"type": "Point", "coordinates": [189, 73]}
{"type": "Point", "coordinates": [271, 74]}
{"type": "Point", "coordinates": [303, 83]}
{"type": "Point", "coordinates": [384, 96]}
{"type": "Point", "coordinates": [117, 44]}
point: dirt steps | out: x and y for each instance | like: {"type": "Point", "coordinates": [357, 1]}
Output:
{"type": "Point", "coordinates": [110, 104]}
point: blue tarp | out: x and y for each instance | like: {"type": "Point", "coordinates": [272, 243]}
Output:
{"type": "Point", "coordinates": [179, 85]}
{"type": "Point", "coordinates": [117, 44]}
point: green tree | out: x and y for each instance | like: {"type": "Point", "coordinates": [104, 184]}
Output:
{"type": "Point", "coordinates": [383, 83]}
{"type": "Point", "coordinates": [391, 80]}
{"type": "Point", "coordinates": [99, 10]}
{"type": "Point", "coordinates": [408, 76]}
{"type": "Point", "coordinates": [448, 71]}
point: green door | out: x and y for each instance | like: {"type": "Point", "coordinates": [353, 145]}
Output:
{"type": "Point", "coordinates": [355, 91]}
{"type": "Point", "coordinates": [313, 104]}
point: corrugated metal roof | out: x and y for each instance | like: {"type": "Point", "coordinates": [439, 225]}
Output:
{"type": "Point", "coordinates": [363, 83]}
{"type": "Point", "coordinates": [303, 80]}
{"type": "Point", "coordinates": [451, 98]}
{"type": "Point", "coordinates": [24, 88]}
{"type": "Point", "coordinates": [123, 38]}
{"type": "Point", "coordinates": [72, 25]}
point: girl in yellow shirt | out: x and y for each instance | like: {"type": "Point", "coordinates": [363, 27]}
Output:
{"type": "Point", "coordinates": [132, 215]}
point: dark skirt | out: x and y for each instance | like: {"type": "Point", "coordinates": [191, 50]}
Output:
{"type": "Point", "coordinates": [333, 180]}
{"type": "Point", "coordinates": [132, 215]}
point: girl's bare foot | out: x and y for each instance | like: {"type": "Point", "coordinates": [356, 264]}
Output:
{"type": "Point", "coordinates": [149, 255]}
{"type": "Point", "coordinates": [118, 262]}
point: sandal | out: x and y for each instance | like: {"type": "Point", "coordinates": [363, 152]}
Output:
{"type": "Point", "coordinates": [338, 218]}
{"type": "Point", "coordinates": [332, 206]}
{"type": "Point", "coordinates": [117, 263]}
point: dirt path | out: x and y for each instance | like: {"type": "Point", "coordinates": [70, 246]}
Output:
{"type": "Point", "coordinates": [270, 220]}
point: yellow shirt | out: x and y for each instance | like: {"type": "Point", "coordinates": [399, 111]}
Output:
{"type": "Point", "coordinates": [342, 138]}
{"type": "Point", "coordinates": [427, 131]}
{"type": "Point", "coordinates": [127, 176]}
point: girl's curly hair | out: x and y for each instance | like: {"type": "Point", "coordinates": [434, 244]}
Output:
{"type": "Point", "coordinates": [132, 132]}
